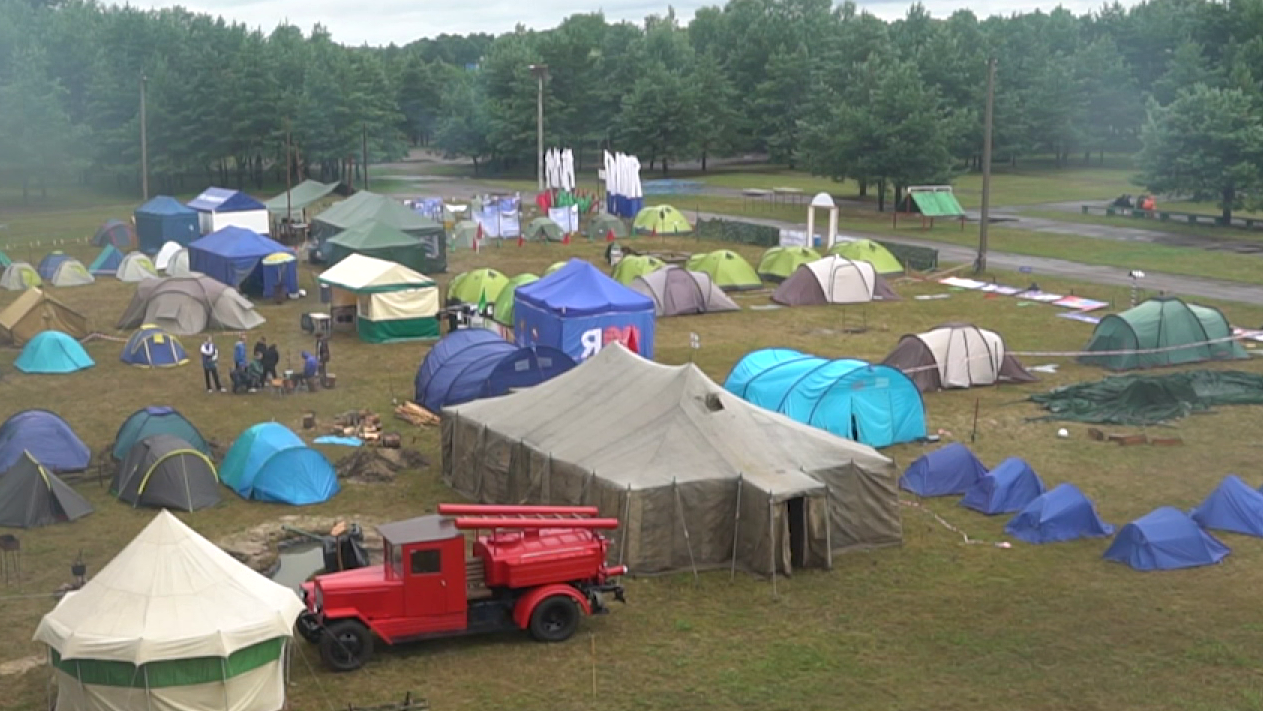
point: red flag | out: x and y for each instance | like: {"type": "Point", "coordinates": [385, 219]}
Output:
{"type": "Point", "coordinates": [479, 235]}
{"type": "Point", "coordinates": [632, 345]}
{"type": "Point", "coordinates": [566, 239]}
{"type": "Point", "coordinates": [655, 230]}
{"type": "Point", "coordinates": [609, 235]}
{"type": "Point", "coordinates": [521, 240]}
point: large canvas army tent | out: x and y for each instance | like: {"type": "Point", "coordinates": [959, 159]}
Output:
{"type": "Point", "coordinates": [157, 648]}
{"type": "Point", "coordinates": [678, 292]}
{"type": "Point", "coordinates": [32, 496]}
{"type": "Point", "coordinates": [1163, 324]}
{"type": "Point", "coordinates": [218, 208]}
{"type": "Point", "coordinates": [45, 436]}
{"type": "Point", "coordinates": [235, 256]}
{"type": "Point", "coordinates": [34, 312]}
{"type": "Point", "coordinates": [579, 310]}
{"type": "Point", "coordinates": [163, 219]}
{"type": "Point", "coordinates": [371, 207]}
{"type": "Point", "coordinates": [697, 477]}
{"type": "Point", "coordinates": [379, 240]}
{"type": "Point", "coordinates": [392, 302]}
{"type": "Point", "coordinates": [956, 355]}
{"type": "Point", "coordinates": [833, 280]}
{"type": "Point", "coordinates": [185, 306]}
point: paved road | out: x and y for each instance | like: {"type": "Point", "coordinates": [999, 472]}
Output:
{"type": "Point", "coordinates": [1061, 268]}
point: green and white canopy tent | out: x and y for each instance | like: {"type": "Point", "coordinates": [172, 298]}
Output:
{"type": "Point", "coordinates": [392, 302]}
{"type": "Point", "coordinates": [172, 623]}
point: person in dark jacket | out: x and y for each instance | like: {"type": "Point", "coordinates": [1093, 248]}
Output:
{"type": "Point", "coordinates": [261, 348]}
{"type": "Point", "coordinates": [323, 357]}
{"type": "Point", "coordinates": [210, 365]}
{"type": "Point", "coordinates": [271, 357]}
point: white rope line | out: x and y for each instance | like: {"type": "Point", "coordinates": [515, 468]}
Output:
{"type": "Point", "coordinates": [102, 337]}
{"type": "Point", "coordinates": [950, 527]}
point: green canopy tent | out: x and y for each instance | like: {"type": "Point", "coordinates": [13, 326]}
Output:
{"type": "Point", "coordinates": [300, 197]}
{"type": "Point", "coordinates": [779, 262]}
{"type": "Point", "coordinates": [866, 250]}
{"type": "Point", "coordinates": [544, 230]}
{"type": "Point", "coordinates": [601, 226]}
{"type": "Point", "coordinates": [376, 239]}
{"type": "Point", "coordinates": [1177, 332]}
{"type": "Point", "coordinates": [930, 202]}
{"type": "Point", "coordinates": [729, 270]}
{"type": "Point", "coordinates": [371, 207]}
{"type": "Point", "coordinates": [628, 268]}
{"type": "Point", "coordinates": [502, 313]}
{"type": "Point", "coordinates": [477, 285]}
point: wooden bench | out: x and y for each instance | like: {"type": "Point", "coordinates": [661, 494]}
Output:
{"type": "Point", "coordinates": [1191, 218]}
{"type": "Point", "coordinates": [476, 580]}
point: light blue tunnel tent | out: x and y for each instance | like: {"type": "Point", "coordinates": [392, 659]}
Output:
{"type": "Point", "coordinates": [873, 404]}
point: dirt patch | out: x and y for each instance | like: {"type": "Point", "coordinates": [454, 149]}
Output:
{"type": "Point", "coordinates": [14, 667]}
{"type": "Point", "coordinates": [259, 547]}
{"type": "Point", "coordinates": [372, 465]}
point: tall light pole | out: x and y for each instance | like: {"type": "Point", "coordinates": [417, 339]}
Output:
{"type": "Point", "coordinates": [144, 143]}
{"type": "Point", "coordinates": [984, 213]}
{"type": "Point", "coordinates": [541, 73]}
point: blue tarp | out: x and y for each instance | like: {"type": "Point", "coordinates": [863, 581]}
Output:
{"type": "Point", "coordinates": [270, 463]}
{"type": "Point", "coordinates": [225, 200]}
{"type": "Point", "coordinates": [52, 353]}
{"type": "Point", "coordinates": [107, 261]}
{"type": "Point", "coordinates": [47, 437]}
{"type": "Point", "coordinates": [1063, 514]}
{"type": "Point", "coordinates": [578, 310]}
{"type": "Point", "coordinates": [947, 471]}
{"type": "Point", "coordinates": [163, 219]}
{"type": "Point", "coordinates": [233, 256]}
{"type": "Point", "coordinates": [156, 420]}
{"type": "Point", "coordinates": [873, 404]}
{"type": "Point", "coordinates": [48, 265]}
{"type": "Point", "coordinates": [465, 366]}
{"type": "Point", "coordinates": [1006, 489]}
{"type": "Point", "coordinates": [1232, 506]}
{"type": "Point", "coordinates": [1165, 539]}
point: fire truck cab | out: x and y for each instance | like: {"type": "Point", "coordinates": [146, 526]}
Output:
{"type": "Point", "coordinates": [539, 569]}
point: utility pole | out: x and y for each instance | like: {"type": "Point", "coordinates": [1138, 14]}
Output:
{"type": "Point", "coordinates": [289, 206]}
{"type": "Point", "coordinates": [364, 152]}
{"type": "Point", "coordinates": [144, 144]}
{"type": "Point", "coordinates": [541, 73]}
{"type": "Point", "coordinates": [980, 266]}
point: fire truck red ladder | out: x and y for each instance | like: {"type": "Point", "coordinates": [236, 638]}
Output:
{"type": "Point", "coordinates": [469, 516]}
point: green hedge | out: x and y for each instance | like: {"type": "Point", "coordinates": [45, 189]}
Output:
{"type": "Point", "coordinates": [736, 231]}
{"type": "Point", "coordinates": [921, 259]}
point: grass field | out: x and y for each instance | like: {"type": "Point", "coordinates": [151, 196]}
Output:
{"type": "Point", "coordinates": [934, 624]}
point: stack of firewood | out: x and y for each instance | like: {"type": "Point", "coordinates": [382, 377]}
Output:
{"type": "Point", "coordinates": [363, 424]}
{"type": "Point", "coordinates": [415, 414]}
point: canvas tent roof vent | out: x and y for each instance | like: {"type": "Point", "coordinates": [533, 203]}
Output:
{"type": "Point", "coordinates": [1233, 506]}
{"type": "Point", "coordinates": [1008, 488]}
{"type": "Point", "coordinates": [1162, 323]}
{"type": "Point", "coordinates": [1063, 514]}
{"type": "Point", "coordinates": [1165, 539]}
{"type": "Point", "coordinates": [32, 496]}
{"type": "Point", "coordinates": [956, 356]}
{"type": "Point", "coordinates": [947, 471]}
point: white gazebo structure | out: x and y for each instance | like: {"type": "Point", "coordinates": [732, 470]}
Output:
{"type": "Point", "coordinates": [822, 200]}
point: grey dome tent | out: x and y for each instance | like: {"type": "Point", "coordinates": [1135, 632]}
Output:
{"type": "Point", "coordinates": [164, 471]}
{"type": "Point", "coordinates": [31, 496]}
{"type": "Point", "coordinates": [679, 292]}
{"type": "Point", "coordinates": [186, 306]}
{"type": "Point", "coordinates": [956, 355]}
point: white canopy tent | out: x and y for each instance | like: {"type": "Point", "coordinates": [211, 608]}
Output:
{"type": "Point", "coordinates": [392, 302]}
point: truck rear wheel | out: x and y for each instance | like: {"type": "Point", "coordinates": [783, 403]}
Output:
{"type": "Point", "coordinates": [555, 619]}
{"type": "Point", "coordinates": [346, 645]}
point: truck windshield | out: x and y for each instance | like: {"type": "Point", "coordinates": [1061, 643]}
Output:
{"type": "Point", "coordinates": [395, 556]}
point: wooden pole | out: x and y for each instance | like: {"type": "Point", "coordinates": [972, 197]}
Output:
{"type": "Point", "coordinates": [144, 143]}
{"type": "Point", "coordinates": [984, 215]}
{"type": "Point", "coordinates": [289, 207]}
{"type": "Point", "coordinates": [974, 434]}
{"type": "Point", "coordinates": [364, 152]}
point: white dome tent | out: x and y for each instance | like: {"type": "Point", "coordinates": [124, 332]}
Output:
{"type": "Point", "coordinates": [833, 280]}
{"type": "Point", "coordinates": [956, 355]}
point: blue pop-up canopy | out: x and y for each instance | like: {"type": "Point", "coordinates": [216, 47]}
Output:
{"type": "Point", "coordinates": [1232, 506]}
{"type": "Point", "coordinates": [1165, 539]}
{"type": "Point", "coordinates": [1006, 489]}
{"type": "Point", "coordinates": [163, 219]}
{"type": "Point", "coordinates": [946, 471]}
{"type": "Point", "coordinates": [234, 256]}
{"type": "Point", "coordinates": [1063, 514]}
{"type": "Point", "coordinates": [578, 309]}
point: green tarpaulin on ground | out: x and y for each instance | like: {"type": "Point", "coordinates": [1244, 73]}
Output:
{"type": "Point", "coordinates": [937, 203]}
{"type": "Point", "coordinates": [300, 196]}
{"type": "Point", "coordinates": [1149, 399]}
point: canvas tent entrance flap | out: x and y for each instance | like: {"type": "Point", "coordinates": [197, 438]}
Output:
{"type": "Point", "coordinates": [667, 450]}
{"type": "Point", "coordinates": [1150, 399]}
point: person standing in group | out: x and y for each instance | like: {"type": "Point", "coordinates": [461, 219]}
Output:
{"type": "Point", "coordinates": [239, 352]}
{"type": "Point", "coordinates": [210, 365]}
{"type": "Point", "coordinates": [322, 356]}
{"type": "Point", "coordinates": [271, 358]}
{"type": "Point", "coordinates": [261, 348]}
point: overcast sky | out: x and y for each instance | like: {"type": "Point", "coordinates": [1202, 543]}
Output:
{"type": "Point", "coordinates": [380, 22]}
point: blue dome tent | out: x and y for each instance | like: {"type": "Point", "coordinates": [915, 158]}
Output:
{"type": "Point", "coordinates": [465, 366]}
{"type": "Point", "coordinates": [155, 421]}
{"type": "Point", "coordinates": [947, 471]}
{"type": "Point", "coordinates": [47, 437]}
{"type": "Point", "coordinates": [578, 309]}
{"type": "Point", "coordinates": [163, 219]}
{"type": "Point", "coordinates": [1006, 489]}
{"type": "Point", "coordinates": [48, 265]}
{"type": "Point", "coordinates": [1165, 539]}
{"type": "Point", "coordinates": [270, 463]}
{"type": "Point", "coordinates": [1232, 506]}
{"type": "Point", "coordinates": [1063, 514]}
{"type": "Point", "coordinates": [873, 404]}
{"type": "Point", "coordinates": [107, 261]}
{"type": "Point", "coordinates": [234, 256]}
{"type": "Point", "coordinates": [152, 347]}
{"type": "Point", "coordinates": [52, 353]}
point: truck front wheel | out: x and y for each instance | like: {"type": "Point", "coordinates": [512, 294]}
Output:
{"type": "Point", "coordinates": [308, 628]}
{"type": "Point", "coordinates": [346, 645]}
{"type": "Point", "coordinates": [555, 619]}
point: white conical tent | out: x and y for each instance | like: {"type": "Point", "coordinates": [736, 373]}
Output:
{"type": "Point", "coordinates": [172, 622]}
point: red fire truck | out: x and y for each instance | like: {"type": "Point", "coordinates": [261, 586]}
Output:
{"type": "Point", "coordinates": [538, 568]}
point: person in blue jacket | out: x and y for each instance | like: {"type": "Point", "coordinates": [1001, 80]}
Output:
{"type": "Point", "coordinates": [239, 352]}
{"type": "Point", "coordinates": [310, 368]}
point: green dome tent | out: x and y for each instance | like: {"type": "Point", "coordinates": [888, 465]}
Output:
{"type": "Point", "coordinates": [477, 285]}
{"type": "Point", "coordinates": [729, 270]}
{"type": "Point", "coordinates": [1161, 323]}
{"type": "Point", "coordinates": [779, 262]}
{"type": "Point", "coordinates": [626, 271]}
{"type": "Point", "coordinates": [866, 250]}
{"type": "Point", "coordinates": [661, 220]}
{"type": "Point", "coordinates": [544, 230]}
{"type": "Point", "coordinates": [502, 313]}
{"type": "Point", "coordinates": [601, 226]}
{"type": "Point", "coordinates": [553, 267]}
